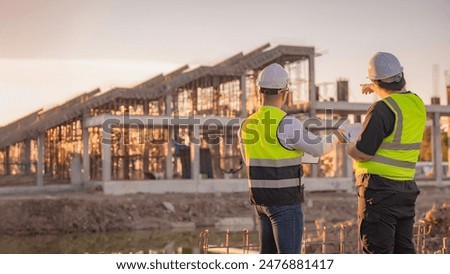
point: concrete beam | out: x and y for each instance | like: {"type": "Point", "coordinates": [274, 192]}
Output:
{"type": "Point", "coordinates": [343, 107]}
{"type": "Point", "coordinates": [33, 190]}
{"type": "Point", "coordinates": [215, 186]}
{"type": "Point", "coordinates": [147, 120]}
{"type": "Point", "coordinates": [361, 108]}
{"type": "Point", "coordinates": [443, 110]}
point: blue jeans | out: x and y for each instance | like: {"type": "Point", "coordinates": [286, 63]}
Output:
{"type": "Point", "coordinates": [280, 228]}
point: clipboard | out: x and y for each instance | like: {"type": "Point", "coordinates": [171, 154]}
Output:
{"type": "Point", "coordinates": [309, 159]}
{"type": "Point", "coordinates": [351, 134]}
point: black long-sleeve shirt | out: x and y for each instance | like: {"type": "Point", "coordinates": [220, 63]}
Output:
{"type": "Point", "coordinates": [379, 124]}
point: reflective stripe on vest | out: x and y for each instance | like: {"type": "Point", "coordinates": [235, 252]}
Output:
{"type": "Point", "coordinates": [393, 146]}
{"type": "Point", "coordinates": [275, 163]}
{"type": "Point", "coordinates": [275, 183]}
{"type": "Point", "coordinates": [398, 153]}
{"type": "Point", "coordinates": [273, 171]}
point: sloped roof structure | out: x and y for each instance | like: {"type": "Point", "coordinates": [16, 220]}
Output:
{"type": "Point", "coordinates": [31, 125]}
{"type": "Point", "coordinates": [45, 142]}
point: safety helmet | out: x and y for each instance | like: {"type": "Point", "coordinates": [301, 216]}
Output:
{"type": "Point", "coordinates": [273, 76]}
{"type": "Point", "coordinates": [384, 65]}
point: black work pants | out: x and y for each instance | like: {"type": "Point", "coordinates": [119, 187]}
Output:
{"type": "Point", "coordinates": [386, 210]}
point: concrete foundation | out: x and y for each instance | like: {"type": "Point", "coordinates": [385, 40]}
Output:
{"type": "Point", "coordinates": [215, 186]}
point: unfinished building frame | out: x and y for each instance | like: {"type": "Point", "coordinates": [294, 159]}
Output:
{"type": "Point", "coordinates": [147, 131]}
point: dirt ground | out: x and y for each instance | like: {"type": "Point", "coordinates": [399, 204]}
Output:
{"type": "Point", "coordinates": [92, 211]}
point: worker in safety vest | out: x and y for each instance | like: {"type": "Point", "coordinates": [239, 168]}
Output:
{"type": "Point", "coordinates": [272, 146]}
{"type": "Point", "coordinates": [385, 155]}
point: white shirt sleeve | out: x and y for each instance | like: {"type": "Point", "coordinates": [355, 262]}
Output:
{"type": "Point", "coordinates": [241, 146]}
{"type": "Point", "coordinates": [293, 135]}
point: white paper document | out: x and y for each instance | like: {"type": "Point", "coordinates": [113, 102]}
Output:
{"type": "Point", "coordinates": [309, 159]}
{"type": "Point", "coordinates": [350, 132]}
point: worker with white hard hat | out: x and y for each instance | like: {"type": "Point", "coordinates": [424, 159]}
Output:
{"type": "Point", "coordinates": [385, 157]}
{"type": "Point", "coordinates": [272, 145]}
{"type": "Point", "coordinates": [385, 71]}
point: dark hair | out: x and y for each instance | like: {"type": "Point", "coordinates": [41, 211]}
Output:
{"type": "Point", "coordinates": [392, 86]}
{"type": "Point", "coordinates": [269, 91]}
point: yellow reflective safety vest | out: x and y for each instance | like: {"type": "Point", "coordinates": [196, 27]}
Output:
{"type": "Point", "coordinates": [398, 154]}
{"type": "Point", "coordinates": [274, 172]}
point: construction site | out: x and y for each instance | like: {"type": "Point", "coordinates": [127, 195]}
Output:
{"type": "Point", "coordinates": [182, 126]}
{"type": "Point", "coordinates": [177, 133]}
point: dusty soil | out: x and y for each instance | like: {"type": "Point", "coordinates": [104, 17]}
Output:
{"type": "Point", "coordinates": [92, 211]}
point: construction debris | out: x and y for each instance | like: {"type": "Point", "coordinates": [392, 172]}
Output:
{"type": "Point", "coordinates": [438, 217]}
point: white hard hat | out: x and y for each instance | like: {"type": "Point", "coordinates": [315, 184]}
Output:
{"type": "Point", "coordinates": [273, 76]}
{"type": "Point", "coordinates": [384, 65]}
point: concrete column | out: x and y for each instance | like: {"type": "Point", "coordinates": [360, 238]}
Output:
{"type": "Point", "coordinates": [169, 156]}
{"type": "Point", "coordinates": [448, 145]}
{"type": "Point", "coordinates": [312, 87]}
{"type": "Point", "coordinates": [76, 174]}
{"type": "Point", "coordinates": [343, 165]}
{"type": "Point", "coordinates": [146, 154]}
{"type": "Point", "coordinates": [315, 170]}
{"type": "Point", "coordinates": [244, 95]}
{"type": "Point", "coordinates": [437, 147]}
{"type": "Point", "coordinates": [169, 99]}
{"type": "Point", "coordinates": [216, 95]}
{"type": "Point", "coordinates": [447, 79]}
{"type": "Point", "coordinates": [170, 136]}
{"type": "Point", "coordinates": [312, 103]}
{"type": "Point", "coordinates": [40, 160]}
{"type": "Point", "coordinates": [5, 160]}
{"type": "Point", "coordinates": [348, 166]}
{"type": "Point", "coordinates": [86, 158]}
{"type": "Point", "coordinates": [106, 158]}
{"type": "Point", "coordinates": [194, 98]}
{"type": "Point", "coordinates": [27, 156]}
{"type": "Point", "coordinates": [195, 153]}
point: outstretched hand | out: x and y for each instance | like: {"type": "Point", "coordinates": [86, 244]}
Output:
{"type": "Point", "coordinates": [367, 88]}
